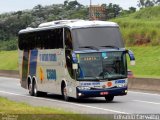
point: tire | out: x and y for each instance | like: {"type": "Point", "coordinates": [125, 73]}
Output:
{"type": "Point", "coordinates": [109, 98]}
{"type": "Point", "coordinates": [33, 90]}
{"type": "Point", "coordinates": [37, 93]}
{"type": "Point", "coordinates": [64, 93]}
{"type": "Point", "coordinates": [30, 88]}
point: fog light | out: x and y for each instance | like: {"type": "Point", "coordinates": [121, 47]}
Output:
{"type": "Point", "coordinates": [126, 91]}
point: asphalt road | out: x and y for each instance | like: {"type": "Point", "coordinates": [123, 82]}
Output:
{"type": "Point", "coordinates": [133, 103]}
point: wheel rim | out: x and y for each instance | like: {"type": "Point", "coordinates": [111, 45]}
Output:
{"type": "Point", "coordinates": [65, 96]}
{"type": "Point", "coordinates": [35, 90]}
{"type": "Point", "coordinates": [64, 91]}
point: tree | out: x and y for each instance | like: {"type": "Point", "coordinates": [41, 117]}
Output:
{"type": "Point", "coordinates": [72, 5]}
{"type": "Point", "coordinates": [11, 23]}
{"type": "Point", "coordinates": [157, 2]}
{"type": "Point", "coordinates": [113, 10]}
{"type": "Point", "coordinates": [65, 2]}
{"type": "Point", "coordinates": [132, 9]}
{"type": "Point", "coordinates": [146, 3]}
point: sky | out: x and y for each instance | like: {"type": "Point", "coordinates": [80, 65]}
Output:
{"type": "Point", "coordinates": [15, 5]}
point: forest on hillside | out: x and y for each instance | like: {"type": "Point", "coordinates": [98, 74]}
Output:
{"type": "Point", "coordinates": [11, 23]}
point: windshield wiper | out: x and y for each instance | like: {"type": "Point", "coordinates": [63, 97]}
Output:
{"type": "Point", "coordinates": [115, 77]}
{"type": "Point", "coordinates": [90, 78]}
{"type": "Point", "coordinates": [110, 47]}
{"type": "Point", "coordinates": [91, 47]}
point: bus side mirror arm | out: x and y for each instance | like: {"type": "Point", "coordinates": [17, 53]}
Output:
{"type": "Point", "coordinates": [131, 56]}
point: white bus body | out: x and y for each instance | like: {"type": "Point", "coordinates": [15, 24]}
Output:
{"type": "Point", "coordinates": [72, 58]}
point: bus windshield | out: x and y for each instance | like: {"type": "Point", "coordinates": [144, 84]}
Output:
{"type": "Point", "coordinates": [102, 66]}
{"type": "Point", "coordinates": [97, 37]}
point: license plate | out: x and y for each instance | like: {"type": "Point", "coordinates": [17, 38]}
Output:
{"type": "Point", "coordinates": [103, 93]}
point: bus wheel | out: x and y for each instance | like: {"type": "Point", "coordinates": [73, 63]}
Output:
{"type": "Point", "coordinates": [38, 93]}
{"type": "Point", "coordinates": [35, 89]}
{"type": "Point", "coordinates": [30, 88]}
{"type": "Point", "coordinates": [64, 93]}
{"type": "Point", "coordinates": [109, 98]}
{"type": "Point", "coordinates": [35, 92]}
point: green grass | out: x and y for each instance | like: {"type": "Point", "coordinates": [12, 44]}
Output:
{"type": "Point", "coordinates": [141, 27]}
{"type": "Point", "coordinates": [26, 112]}
{"type": "Point", "coordinates": [10, 107]}
{"type": "Point", "coordinates": [147, 61]}
{"type": "Point", "coordinates": [8, 60]}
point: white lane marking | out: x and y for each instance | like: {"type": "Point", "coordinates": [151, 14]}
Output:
{"type": "Point", "coordinates": [147, 102]}
{"type": "Point", "coordinates": [80, 105]}
{"type": "Point", "coordinates": [145, 93]}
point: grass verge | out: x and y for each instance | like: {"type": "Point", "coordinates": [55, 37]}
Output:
{"type": "Point", "coordinates": [22, 111]}
{"type": "Point", "coordinates": [8, 60]}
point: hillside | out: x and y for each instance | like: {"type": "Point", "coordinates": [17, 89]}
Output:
{"type": "Point", "coordinates": [141, 27]}
{"type": "Point", "coordinates": [147, 61]}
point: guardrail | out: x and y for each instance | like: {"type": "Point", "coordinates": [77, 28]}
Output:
{"type": "Point", "coordinates": [145, 84]}
{"type": "Point", "coordinates": [9, 73]}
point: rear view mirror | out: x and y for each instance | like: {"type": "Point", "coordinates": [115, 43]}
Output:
{"type": "Point", "coordinates": [131, 56]}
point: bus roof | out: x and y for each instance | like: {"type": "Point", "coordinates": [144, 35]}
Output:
{"type": "Point", "coordinates": [71, 24]}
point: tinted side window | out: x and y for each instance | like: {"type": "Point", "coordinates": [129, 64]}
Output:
{"type": "Point", "coordinates": [26, 41]}
{"type": "Point", "coordinates": [46, 39]}
{"type": "Point", "coordinates": [54, 39]}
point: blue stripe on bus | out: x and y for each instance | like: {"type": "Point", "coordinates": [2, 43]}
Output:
{"type": "Point", "coordinates": [33, 62]}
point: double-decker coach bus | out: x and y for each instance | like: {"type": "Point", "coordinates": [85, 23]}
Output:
{"type": "Point", "coordinates": [74, 58]}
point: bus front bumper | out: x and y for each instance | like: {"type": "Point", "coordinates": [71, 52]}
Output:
{"type": "Point", "coordinates": [101, 92]}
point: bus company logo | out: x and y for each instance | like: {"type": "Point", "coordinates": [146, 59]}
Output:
{"type": "Point", "coordinates": [119, 81]}
{"type": "Point", "coordinates": [51, 74]}
{"type": "Point", "coordinates": [109, 84]}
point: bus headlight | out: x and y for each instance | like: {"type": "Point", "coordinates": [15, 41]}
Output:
{"type": "Point", "coordinates": [121, 85]}
{"type": "Point", "coordinates": [79, 94]}
{"type": "Point", "coordinates": [83, 88]}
